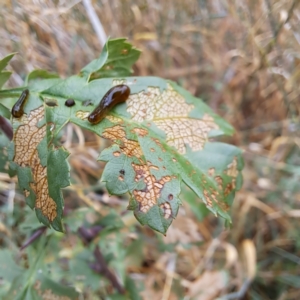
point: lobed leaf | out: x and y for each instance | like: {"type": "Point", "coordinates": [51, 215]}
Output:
{"type": "Point", "coordinates": [116, 59]}
{"type": "Point", "coordinates": [162, 136]}
{"type": "Point", "coordinates": [42, 169]}
{"type": "Point", "coordinates": [156, 145]}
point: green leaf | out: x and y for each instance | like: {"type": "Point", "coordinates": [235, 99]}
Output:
{"type": "Point", "coordinates": [197, 207]}
{"type": "Point", "coordinates": [41, 167]}
{"type": "Point", "coordinates": [4, 111]}
{"type": "Point", "coordinates": [31, 283]}
{"type": "Point", "coordinates": [46, 287]}
{"type": "Point", "coordinates": [80, 270]}
{"type": "Point", "coordinates": [39, 80]}
{"type": "Point", "coordinates": [131, 289]}
{"type": "Point", "coordinates": [40, 74]}
{"type": "Point", "coordinates": [116, 59]}
{"type": "Point", "coordinates": [159, 157]}
{"type": "Point", "coordinates": [4, 76]}
{"type": "Point", "coordinates": [9, 269]}
{"type": "Point", "coordinates": [162, 137]}
{"type": "Point", "coordinates": [4, 61]}
{"type": "Point", "coordinates": [11, 93]}
{"type": "Point", "coordinates": [4, 142]}
{"type": "Point", "coordinates": [76, 218]}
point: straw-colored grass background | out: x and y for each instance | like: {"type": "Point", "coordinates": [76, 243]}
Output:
{"type": "Point", "coordinates": [242, 58]}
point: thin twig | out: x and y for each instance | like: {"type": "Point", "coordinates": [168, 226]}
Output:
{"type": "Point", "coordinates": [88, 234]}
{"type": "Point", "coordinates": [95, 22]}
{"type": "Point", "coordinates": [33, 237]}
{"type": "Point", "coordinates": [101, 267]}
{"type": "Point", "coordinates": [264, 62]}
{"type": "Point", "coordinates": [277, 30]}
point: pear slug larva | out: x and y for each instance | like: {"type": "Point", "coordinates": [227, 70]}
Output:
{"type": "Point", "coordinates": [18, 109]}
{"type": "Point", "coordinates": [114, 96]}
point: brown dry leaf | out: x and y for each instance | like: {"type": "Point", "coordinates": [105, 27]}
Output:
{"type": "Point", "coordinates": [169, 111]}
{"type": "Point", "coordinates": [208, 285]}
{"type": "Point", "coordinates": [249, 253]}
{"type": "Point", "coordinates": [27, 138]}
{"type": "Point", "coordinates": [231, 254]}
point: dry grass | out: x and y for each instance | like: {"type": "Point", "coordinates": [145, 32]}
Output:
{"type": "Point", "coordinates": [242, 58]}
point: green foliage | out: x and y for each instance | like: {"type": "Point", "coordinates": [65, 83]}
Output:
{"type": "Point", "coordinates": [116, 60]}
{"type": "Point", "coordinates": [4, 75]}
{"type": "Point", "coordinates": [32, 282]}
{"type": "Point", "coordinates": [162, 149]}
{"type": "Point", "coordinates": [160, 139]}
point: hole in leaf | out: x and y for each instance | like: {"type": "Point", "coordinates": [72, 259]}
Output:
{"type": "Point", "coordinates": [51, 102]}
{"type": "Point", "coordinates": [87, 102]}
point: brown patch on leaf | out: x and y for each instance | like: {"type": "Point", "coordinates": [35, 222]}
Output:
{"type": "Point", "coordinates": [82, 114]}
{"type": "Point", "coordinates": [231, 171]}
{"type": "Point", "coordinates": [117, 153]}
{"type": "Point", "coordinates": [27, 137]}
{"type": "Point", "coordinates": [149, 195]}
{"type": "Point", "coordinates": [232, 168]}
{"type": "Point", "coordinates": [169, 111]}
{"type": "Point", "coordinates": [167, 210]}
{"type": "Point", "coordinates": [219, 181]}
{"type": "Point", "coordinates": [159, 144]}
{"type": "Point", "coordinates": [207, 198]}
{"type": "Point", "coordinates": [119, 81]}
{"type": "Point", "coordinates": [128, 147]}
{"type": "Point", "coordinates": [153, 167]}
{"type": "Point", "coordinates": [140, 131]}
{"type": "Point", "coordinates": [212, 196]}
{"type": "Point", "coordinates": [114, 119]}
{"type": "Point", "coordinates": [121, 178]}
{"type": "Point", "coordinates": [211, 171]}
{"type": "Point", "coordinates": [26, 193]}
{"type": "Point", "coordinates": [230, 187]}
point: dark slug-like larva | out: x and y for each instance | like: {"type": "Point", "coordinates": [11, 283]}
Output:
{"type": "Point", "coordinates": [114, 96]}
{"type": "Point", "coordinates": [18, 109]}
